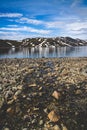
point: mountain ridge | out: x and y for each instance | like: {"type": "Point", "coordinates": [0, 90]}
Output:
{"type": "Point", "coordinates": [44, 42]}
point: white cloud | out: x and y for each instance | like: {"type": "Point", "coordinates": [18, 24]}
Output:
{"type": "Point", "coordinates": [76, 29]}
{"type": "Point", "coordinates": [76, 26]}
{"type": "Point", "coordinates": [11, 15]}
{"type": "Point", "coordinates": [13, 25]}
{"type": "Point", "coordinates": [26, 29]}
{"type": "Point", "coordinates": [67, 26]}
{"type": "Point", "coordinates": [18, 35]}
{"type": "Point", "coordinates": [30, 21]}
{"type": "Point", "coordinates": [54, 24]}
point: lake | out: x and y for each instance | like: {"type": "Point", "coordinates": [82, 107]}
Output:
{"type": "Point", "coordinates": [47, 52]}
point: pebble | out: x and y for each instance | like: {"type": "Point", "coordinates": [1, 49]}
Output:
{"type": "Point", "coordinates": [32, 85]}
{"type": "Point", "coordinates": [41, 122]}
{"type": "Point", "coordinates": [53, 116]}
{"type": "Point", "coordinates": [56, 95]}
{"type": "Point", "coordinates": [56, 127]}
{"type": "Point", "coordinates": [1, 101]}
{"type": "Point", "coordinates": [10, 101]}
{"type": "Point", "coordinates": [78, 92]}
{"type": "Point", "coordinates": [1, 88]}
{"type": "Point", "coordinates": [20, 87]}
{"type": "Point", "coordinates": [18, 93]}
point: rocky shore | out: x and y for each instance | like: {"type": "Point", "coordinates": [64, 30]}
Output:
{"type": "Point", "coordinates": [43, 94]}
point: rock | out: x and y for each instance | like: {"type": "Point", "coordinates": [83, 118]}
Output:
{"type": "Point", "coordinates": [1, 88]}
{"type": "Point", "coordinates": [63, 127]}
{"type": "Point", "coordinates": [17, 109]}
{"type": "Point", "coordinates": [78, 92]}
{"type": "Point", "coordinates": [10, 111]}
{"type": "Point", "coordinates": [53, 116]}
{"type": "Point", "coordinates": [41, 122]}
{"type": "Point", "coordinates": [40, 88]}
{"type": "Point", "coordinates": [56, 127]}
{"type": "Point", "coordinates": [35, 108]}
{"type": "Point", "coordinates": [1, 101]}
{"type": "Point", "coordinates": [14, 89]}
{"type": "Point", "coordinates": [56, 95]}
{"type": "Point", "coordinates": [8, 95]}
{"type": "Point", "coordinates": [24, 129]}
{"type": "Point", "coordinates": [45, 110]}
{"type": "Point", "coordinates": [18, 93]}
{"type": "Point", "coordinates": [6, 128]}
{"type": "Point", "coordinates": [45, 129]}
{"type": "Point", "coordinates": [20, 87]}
{"type": "Point", "coordinates": [32, 85]}
{"type": "Point", "coordinates": [10, 101]}
{"type": "Point", "coordinates": [33, 121]}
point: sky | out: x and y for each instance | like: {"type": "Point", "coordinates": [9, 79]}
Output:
{"type": "Point", "coordinates": [20, 19]}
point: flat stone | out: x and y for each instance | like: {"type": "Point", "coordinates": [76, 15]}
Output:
{"type": "Point", "coordinates": [32, 85]}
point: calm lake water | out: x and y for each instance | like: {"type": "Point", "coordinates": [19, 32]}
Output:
{"type": "Point", "coordinates": [39, 52]}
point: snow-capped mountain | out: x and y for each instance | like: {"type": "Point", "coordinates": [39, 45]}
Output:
{"type": "Point", "coordinates": [44, 42]}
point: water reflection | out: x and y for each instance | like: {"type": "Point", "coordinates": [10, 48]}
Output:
{"type": "Point", "coordinates": [39, 52]}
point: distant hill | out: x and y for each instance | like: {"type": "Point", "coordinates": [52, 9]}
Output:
{"type": "Point", "coordinates": [9, 43]}
{"type": "Point", "coordinates": [44, 42]}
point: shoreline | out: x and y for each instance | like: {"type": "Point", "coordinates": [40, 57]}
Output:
{"type": "Point", "coordinates": [43, 94]}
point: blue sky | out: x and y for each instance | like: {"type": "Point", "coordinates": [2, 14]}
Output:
{"type": "Point", "coordinates": [21, 19]}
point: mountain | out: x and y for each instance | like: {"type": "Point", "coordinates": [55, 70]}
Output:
{"type": "Point", "coordinates": [9, 43]}
{"type": "Point", "coordinates": [58, 41]}
{"type": "Point", "coordinates": [44, 42]}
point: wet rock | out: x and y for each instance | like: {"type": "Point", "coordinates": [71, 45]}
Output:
{"type": "Point", "coordinates": [53, 116]}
